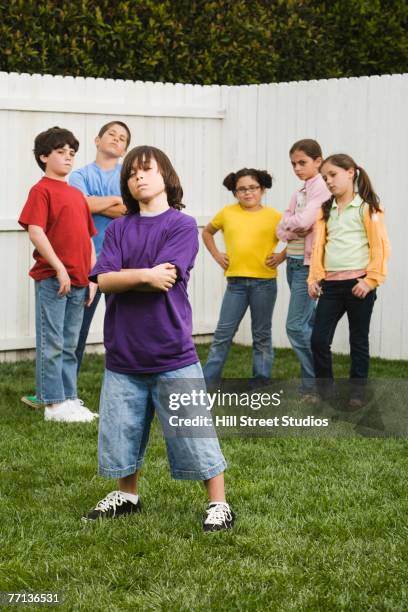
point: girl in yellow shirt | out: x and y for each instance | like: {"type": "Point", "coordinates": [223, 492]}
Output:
{"type": "Point", "coordinates": [348, 262]}
{"type": "Point", "coordinates": [250, 264]}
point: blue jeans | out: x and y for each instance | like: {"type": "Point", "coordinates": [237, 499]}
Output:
{"type": "Point", "coordinates": [89, 312]}
{"type": "Point", "coordinates": [300, 320]}
{"type": "Point", "coordinates": [57, 321]}
{"type": "Point", "coordinates": [127, 406]}
{"type": "Point", "coordinates": [260, 295]}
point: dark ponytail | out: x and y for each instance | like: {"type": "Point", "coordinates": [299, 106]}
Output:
{"type": "Point", "coordinates": [230, 181]}
{"type": "Point", "coordinates": [326, 208]}
{"type": "Point", "coordinates": [366, 191]}
{"type": "Point", "coordinates": [364, 186]}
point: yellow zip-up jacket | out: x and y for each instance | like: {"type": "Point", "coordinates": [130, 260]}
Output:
{"type": "Point", "coordinates": [378, 241]}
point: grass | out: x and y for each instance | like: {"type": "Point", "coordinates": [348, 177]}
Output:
{"type": "Point", "coordinates": [322, 523]}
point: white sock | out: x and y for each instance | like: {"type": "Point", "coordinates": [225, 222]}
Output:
{"type": "Point", "coordinates": [131, 497]}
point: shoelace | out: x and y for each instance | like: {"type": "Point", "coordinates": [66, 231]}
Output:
{"type": "Point", "coordinates": [81, 405]}
{"type": "Point", "coordinates": [218, 514]}
{"type": "Point", "coordinates": [81, 408]}
{"type": "Point", "coordinates": [110, 501]}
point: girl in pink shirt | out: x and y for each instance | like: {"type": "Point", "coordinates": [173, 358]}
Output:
{"type": "Point", "coordinates": [296, 228]}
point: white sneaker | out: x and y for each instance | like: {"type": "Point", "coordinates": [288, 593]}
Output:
{"type": "Point", "coordinates": [112, 506]}
{"type": "Point", "coordinates": [64, 412]}
{"type": "Point", "coordinates": [219, 517]}
{"type": "Point", "coordinates": [82, 410]}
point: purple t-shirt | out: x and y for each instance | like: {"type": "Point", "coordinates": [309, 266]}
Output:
{"type": "Point", "coordinates": [148, 332]}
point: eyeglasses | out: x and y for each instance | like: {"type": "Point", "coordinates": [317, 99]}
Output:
{"type": "Point", "coordinates": [244, 190]}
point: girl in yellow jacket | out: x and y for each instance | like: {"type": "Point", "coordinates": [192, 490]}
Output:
{"type": "Point", "coordinates": [348, 262]}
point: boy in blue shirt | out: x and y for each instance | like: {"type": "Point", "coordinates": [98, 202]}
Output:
{"type": "Point", "coordinates": [100, 184]}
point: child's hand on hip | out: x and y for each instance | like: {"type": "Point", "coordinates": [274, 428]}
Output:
{"type": "Point", "coordinates": [223, 260]}
{"type": "Point", "coordinates": [64, 281]}
{"type": "Point", "coordinates": [361, 289]}
{"type": "Point", "coordinates": [163, 276]}
{"type": "Point", "coordinates": [274, 260]}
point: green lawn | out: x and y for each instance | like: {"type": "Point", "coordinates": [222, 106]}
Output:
{"type": "Point", "coordinates": [321, 523]}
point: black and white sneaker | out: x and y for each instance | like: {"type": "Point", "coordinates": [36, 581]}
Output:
{"type": "Point", "coordinates": [112, 506]}
{"type": "Point", "coordinates": [219, 517]}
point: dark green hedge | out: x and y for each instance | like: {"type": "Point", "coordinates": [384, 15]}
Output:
{"type": "Point", "coordinates": [199, 41]}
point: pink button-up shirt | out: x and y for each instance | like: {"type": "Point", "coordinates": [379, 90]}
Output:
{"type": "Point", "coordinates": [304, 219]}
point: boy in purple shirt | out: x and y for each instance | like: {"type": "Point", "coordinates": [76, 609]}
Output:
{"type": "Point", "coordinates": [144, 266]}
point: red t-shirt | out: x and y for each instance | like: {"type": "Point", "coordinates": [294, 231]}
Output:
{"type": "Point", "coordinates": [63, 213]}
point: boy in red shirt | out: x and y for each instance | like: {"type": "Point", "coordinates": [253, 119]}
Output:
{"type": "Point", "coordinates": [60, 227]}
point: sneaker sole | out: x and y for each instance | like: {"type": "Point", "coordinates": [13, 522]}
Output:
{"type": "Point", "coordinates": [101, 519]}
{"type": "Point", "coordinates": [67, 422]}
{"type": "Point", "coordinates": [218, 530]}
{"type": "Point", "coordinates": [84, 519]}
{"type": "Point", "coordinates": [31, 404]}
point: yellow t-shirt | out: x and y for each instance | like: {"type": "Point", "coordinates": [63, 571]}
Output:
{"type": "Point", "coordinates": [249, 238]}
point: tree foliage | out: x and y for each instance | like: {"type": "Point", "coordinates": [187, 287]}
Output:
{"type": "Point", "coordinates": [205, 41]}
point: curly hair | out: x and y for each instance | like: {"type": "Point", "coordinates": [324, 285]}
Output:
{"type": "Point", "coordinates": [52, 139]}
{"type": "Point", "coordinates": [261, 176]}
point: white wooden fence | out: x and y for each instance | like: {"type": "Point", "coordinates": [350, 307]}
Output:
{"type": "Point", "coordinates": [207, 132]}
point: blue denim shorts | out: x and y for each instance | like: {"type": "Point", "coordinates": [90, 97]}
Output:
{"type": "Point", "coordinates": [127, 407]}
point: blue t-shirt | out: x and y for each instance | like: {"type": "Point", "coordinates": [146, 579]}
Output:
{"type": "Point", "coordinates": [93, 181]}
{"type": "Point", "coordinates": [149, 332]}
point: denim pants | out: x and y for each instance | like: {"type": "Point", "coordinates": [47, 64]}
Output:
{"type": "Point", "coordinates": [300, 320]}
{"type": "Point", "coordinates": [260, 295]}
{"type": "Point", "coordinates": [58, 320]}
{"type": "Point", "coordinates": [336, 299]}
{"type": "Point", "coordinates": [128, 403]}
{"type": "Point", "coordinates": [89, 312]}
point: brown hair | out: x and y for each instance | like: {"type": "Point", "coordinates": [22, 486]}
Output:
{"type": "Point", "coordinates": [52, 139]}
{"type": "Point", "coordinates": [139, 157]}
{"type": "Point", "coordinates": [262, 176]}
{"type": "Point", "coordinates": [309, 146]}
{"type": "Point", "coordinates": [364, 186]}
{"type": "Point", "coordinates": [107, 126]}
